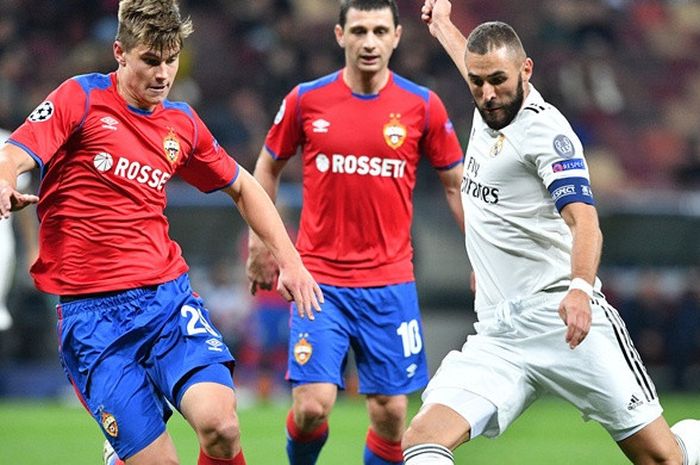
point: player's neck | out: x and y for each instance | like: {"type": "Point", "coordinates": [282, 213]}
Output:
{"type": "Point", "coordinates": [365, 83]}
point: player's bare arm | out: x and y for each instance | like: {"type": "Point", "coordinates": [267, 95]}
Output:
{"type": "Point", "coordinates": [261, 268]}
{"type": "Point", "coordinates": [451, 181]}
{"type": "Point", "coordinates": [575, 308]}
{"type": "Point", "coordinates": [436, 14]}
{"type": "Point", "coordinates": [295, 282]}
{"type": "Point", "coordinates": [13, 162]}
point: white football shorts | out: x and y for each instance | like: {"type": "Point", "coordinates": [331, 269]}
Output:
{"type": "Point", "coordinates": [519, 353]}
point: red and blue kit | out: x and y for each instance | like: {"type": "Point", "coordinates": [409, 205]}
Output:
{"type": "Point", "coordinates": [104, 168]}
{"type": "Point", "coordinates": [360, 156]}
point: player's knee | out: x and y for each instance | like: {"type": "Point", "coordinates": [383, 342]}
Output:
{"type": "Point", "coordinates": [219, 433]}
{"type": "Point", "coordinates": [311, 411]}
{"type": "Point", "coordinates": [388, 414]}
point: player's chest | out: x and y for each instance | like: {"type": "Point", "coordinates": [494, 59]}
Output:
{"type": "Point", "coordinates": [364, 128]}
{"type": "Point", "coordinates": [133, 143]}
{"type": "Point", "coordinates": [491, 158]}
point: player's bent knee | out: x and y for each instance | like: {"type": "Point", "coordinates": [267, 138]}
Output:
{"type": "Point", "coordinates": [219, 432]}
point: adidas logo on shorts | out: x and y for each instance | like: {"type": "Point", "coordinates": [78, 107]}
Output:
{"type": "Point", "coordinates": [634, 402]}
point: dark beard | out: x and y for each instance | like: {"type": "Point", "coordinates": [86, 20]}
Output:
{"type": "Point", "coordinates": [510, 110]}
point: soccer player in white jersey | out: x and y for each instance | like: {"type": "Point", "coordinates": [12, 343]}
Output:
{"type": "Point", "coordinates": [533, 239]}
{"type": "Point", "coordinates": [7, 251]}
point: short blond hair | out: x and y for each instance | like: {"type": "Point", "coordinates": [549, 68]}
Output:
{"type": "Point", "coordinates": [154, 23]}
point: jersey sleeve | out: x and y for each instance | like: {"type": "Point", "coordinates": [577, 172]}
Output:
{"type": "Point", "coordinates": [52, 122]}
{"type": "Point", "coordinates": [287, 132]}
{"type": "Point", "coordinates": [557, 153]}
{"type": "Point", "coordinates": [209, 168]}
{"type": "Point", "coordinates": [440, 143]}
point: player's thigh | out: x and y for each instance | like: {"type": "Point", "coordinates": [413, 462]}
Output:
{"type": "Point", "coordinates": [210, 408]}
{"type": "Point", "coordinates": [103, 366]}
{"type": "Point", "coordinates": [388, 340]}
{"type": "Point", "coordinates": [189, 348]}
{"type": "Point", "coordinates": [652, 444]}
{"type": "Point", "coordinates": [160, 452]}
{"type": "Point", "coordinates": [318, 349]}
{"type": "Point", "coordinates": [604, 377]}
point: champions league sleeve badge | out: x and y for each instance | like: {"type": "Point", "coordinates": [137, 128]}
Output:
{"type": "Point", "coordinates": [42, 113]}
{"type": "Point", "coordinates": [394, 132]}
{"type": "Point", "coordinates": [563, 146]}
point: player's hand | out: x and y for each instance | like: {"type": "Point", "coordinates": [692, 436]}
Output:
{"type": "Point", "coordinates": [11, 200]}
{"type": "Point", "coordinates": [575, 311]}
{"type": "Point", "coordinates": [261, 268]}
{"type": "Point", "coordinates": [298, 285]}
{"type": "Point", "coordinates": [434, 11]}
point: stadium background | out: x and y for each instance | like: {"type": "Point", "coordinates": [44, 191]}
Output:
{"type": "Point", "coordinates": [625, 72]}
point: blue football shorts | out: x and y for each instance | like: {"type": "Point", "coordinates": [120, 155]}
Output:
{"type": "Point", "coordinates": [384, 329]}
{"type": "Point", "coordinates": [131, 355]}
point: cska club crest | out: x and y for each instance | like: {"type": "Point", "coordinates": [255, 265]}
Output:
{"type": "Point", "coordinates": [394, 132]}
{"type": "Point", "coordinates": [498, 146]}
{"type": "Point", "coordinates": [109, 423]}
{"type": "Point", "coordinates": [302, 351]}
{"type": "Point", "coordinates": [171, 145]}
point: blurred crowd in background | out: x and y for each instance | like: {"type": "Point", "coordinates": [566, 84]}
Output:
{"type": "Point", "coordinates": [625, 72]}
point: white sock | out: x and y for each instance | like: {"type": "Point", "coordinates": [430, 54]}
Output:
{"type": "Point", "coordinates": [428, 454]}
{"type": "Point", "coordinates": [688, 436]}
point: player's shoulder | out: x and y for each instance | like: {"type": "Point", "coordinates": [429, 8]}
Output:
{"type": "Point", "coordinates": [182, 107]}
{"type": "Point", "coordinates": [539, 120]}
{"type": "Point", "coordinates": [323, 82]}
{"type": "Point", "coordinates": [91, 81]}
{"type": "Point", "coordinates": [411, 87]}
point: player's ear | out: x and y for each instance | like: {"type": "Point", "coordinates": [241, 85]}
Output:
{"type": "Point", "coordinates": [119, 53]}
{"type": "Point", "coordinates": [526, 70]}
{"type": "Point", "coordinates": [339, 35]}
{"type": "Point", "coordinates": [397, 36]}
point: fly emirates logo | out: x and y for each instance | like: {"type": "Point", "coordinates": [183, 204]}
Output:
{"type": "Point", "coordinates": [362, 165]}
{"type": "Point", "coordinates": [131, 170]}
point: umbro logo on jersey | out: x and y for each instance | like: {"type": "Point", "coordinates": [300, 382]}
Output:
{"type": "Point", "coordinates": [320, 125]}
{"type": "Point", "coordinates": [109, 123]}
{"type": "Point", "coordinates": [215, 344]}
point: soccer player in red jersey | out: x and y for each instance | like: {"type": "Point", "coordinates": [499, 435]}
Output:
{"type": "Point", "coordinates": [134, 338]}
{"type": "Point", "coordinates": [362, 131]}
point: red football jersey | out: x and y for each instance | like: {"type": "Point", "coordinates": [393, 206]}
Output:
{"type": "Point", "coordinates": [104, 168]}
{"type": "Point", "coordinates": [360, 156]}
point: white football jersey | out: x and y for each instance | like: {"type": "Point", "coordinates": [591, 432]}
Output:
{"type": "Point", "coordinates": [515, 182]}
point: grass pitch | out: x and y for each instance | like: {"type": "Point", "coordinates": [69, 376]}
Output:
{"type": "Point", "coordinates": [549, 433]}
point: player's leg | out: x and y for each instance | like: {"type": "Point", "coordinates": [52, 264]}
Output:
{"type": "Point", "coordinates": [190, 364]}
{"type": "Point", "coordinates": [317, 354]}
{"type": "Point", "coordinates": [387, 338]}
{"type": "Point", "coordinates": [433, 434]}
{"type": "Point", "coordinates": [479, 390]}
{"type": "Point", "coordinates": [387, 416]}
{"type": "Point", "coordinates": [100, 340]}
{"type": "Point", "coordinates": [307, 421]}
{"type": "Point", "coordinates": [657, 444]}
{"type": "Point", "coordinates": [607, 381]}
{"type": "Point", "coordinates": [210, 407]}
